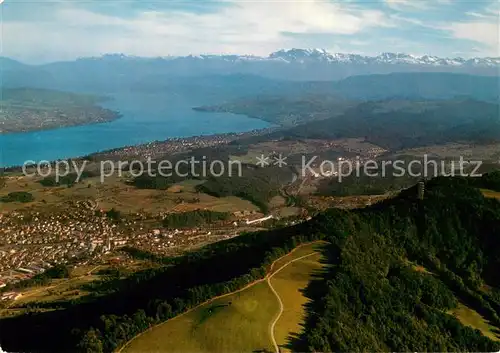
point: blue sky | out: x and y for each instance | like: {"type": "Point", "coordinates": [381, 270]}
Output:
{"type": "Point", "coordinates": [42, 31]}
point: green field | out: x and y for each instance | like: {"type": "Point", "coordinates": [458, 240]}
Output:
{"type": "Point", "coordinates": [115, 193]}
{"type": "Point", "coordinates": [472, 318]}
{"type": "Point", "coordinates": [289, 284]}
{"type": "Point", "coordinates": [236, 323]}
{"type": "Point", "coordinates": [241, 322]}
{"type": "Point", "coordinates": [298, 252]}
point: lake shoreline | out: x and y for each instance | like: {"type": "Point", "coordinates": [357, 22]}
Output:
{"type": "Point", "coordinates": [113, 115]}
{"type": "Point", "coordinates": [126, 152]}
{"type": "Point", "coordinates": [143, 119]}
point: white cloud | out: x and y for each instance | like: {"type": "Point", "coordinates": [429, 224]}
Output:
{"type": "Point", "coordinates": [493, 9]}
{"type": "Point", "coordinates": [415, 5]}
{"type": "Point", "coordinates": [402, 20]}
{"type": "Point", "coordinates": [241, 27]}
{"type": "Point", "coordinates": [486, 33]}
{"type": "Point", "coordinates": [483, 29]}
{"type": "Point", "coordinates": [476, 14]}
{"type": "Point", "coordinates": [407, 4]}
{"type": "Point", "coordinates": [491, 12]}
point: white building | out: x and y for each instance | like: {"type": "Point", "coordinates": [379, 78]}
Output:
{"type": "Point", "coordinates": [260, 220]}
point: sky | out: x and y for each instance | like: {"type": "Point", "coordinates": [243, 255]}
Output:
{"type": "Point", "coordinates": [40, 31]}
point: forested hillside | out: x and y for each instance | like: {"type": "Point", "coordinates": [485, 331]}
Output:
{"type": "Point", "coordinates": [287, 111]}
{"type": "Point", "coordinates": [373, 298]}
{"type": "Point", "coordinates": [257, 185]}
{"type": "Point", "coordinates": [393, 124]}
{"type": "Point", "coordinates": [422, 85]}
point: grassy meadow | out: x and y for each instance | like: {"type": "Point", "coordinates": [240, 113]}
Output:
{"type": "Point", "coordinates": [236, 323]}
{"type": "Point", "coordinates": [290, 283]}
{"type": "Point", "coordinates": [115, 193]}
{"type": "Point", "coordinates": [472, 318]}
{"type": "Point", "coordinates": [241, 322]}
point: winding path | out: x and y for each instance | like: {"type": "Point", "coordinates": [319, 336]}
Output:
{"type": "Point", "coordinates": [266, 278]}
{"type": "Point", "coordinates": [273, 324]}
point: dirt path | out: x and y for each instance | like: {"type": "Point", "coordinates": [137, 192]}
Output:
{"type": "Point", "coordinates": [270, 274]}
{"type": "Point", "coordinates": [273, 324]}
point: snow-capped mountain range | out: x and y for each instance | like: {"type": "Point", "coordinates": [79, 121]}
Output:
{"type": "Point", "coordinates": [321, 55]}
{"type": "Point", "coordinates": [311, 56]}
{"type": "Point", "coordinates": [289, 65]}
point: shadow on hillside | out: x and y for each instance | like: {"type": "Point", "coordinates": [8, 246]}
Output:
{"type": "Point", "coordinates": [296, 341]}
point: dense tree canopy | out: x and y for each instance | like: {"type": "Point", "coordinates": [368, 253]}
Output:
{"type": "Point", "coordinates": [372, 298]}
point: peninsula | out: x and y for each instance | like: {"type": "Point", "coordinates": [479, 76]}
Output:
{"type": "Point", "coordinates": [30, 109]}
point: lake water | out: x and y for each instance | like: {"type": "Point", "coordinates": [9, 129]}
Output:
{"type": "Point", "coordinates": [146, 118]}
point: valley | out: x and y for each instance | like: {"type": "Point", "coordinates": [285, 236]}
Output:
{"type": "Point", "coordinates": [360, 259]}
{"type": "Point", "coordinates": [346, 212]}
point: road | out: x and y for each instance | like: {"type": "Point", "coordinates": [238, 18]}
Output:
{"type": "Point", "coordinates": [273, 324]}
{"type": "Point", "coordinates": [270, 274]}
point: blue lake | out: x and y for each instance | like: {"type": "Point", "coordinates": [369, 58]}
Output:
{"type": "Point", "coordinates": [146, 118]}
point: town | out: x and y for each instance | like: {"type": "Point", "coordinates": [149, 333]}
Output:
{"type": "Point", "coordinates": [32, 242]}
{"type": "Point", "coordinates": [82, 230]}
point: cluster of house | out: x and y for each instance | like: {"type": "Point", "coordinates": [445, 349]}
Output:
{"type": "Point", "coordinates": [30, 242]}
{"type": "Point", "coordinates": [164, 241]}
{"type": "Point", "coordinates": [173, 146]}
{"type": "Point", "coordinates": [160, 241]}
{"type": "Point", "coordinates": [10, 296]}
{"type": "Point", "coordinates": [357, 146]}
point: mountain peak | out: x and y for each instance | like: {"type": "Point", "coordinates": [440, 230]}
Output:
{"type": "Point", "coordinates": [300, 55]}
{"type": "Point", "coordinates": [319, 56]}
{"type": "Point", "coordinates": [295, 55]}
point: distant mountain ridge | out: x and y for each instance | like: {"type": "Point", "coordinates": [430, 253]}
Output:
{"type": "Point", "coordinates": [290, 65]}
{"type": "Point", "coordinates": [303, 55]}
{"type": "Point", "coordinates": [321, 55]}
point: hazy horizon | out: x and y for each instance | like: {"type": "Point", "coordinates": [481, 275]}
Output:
{"type": "Point", "coordinates": [66, 30]}
{"type": "Point", "coordinates": [168, 56]}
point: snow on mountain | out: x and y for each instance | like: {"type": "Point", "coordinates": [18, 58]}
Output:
{"type": "Point", "coordinates": [315, 56]}
{"type": "Point", "coordinates": [321, 55]}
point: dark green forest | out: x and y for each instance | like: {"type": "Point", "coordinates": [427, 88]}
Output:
{"type": "Point", "coordinates": [374, 300]}
{"type": "Point", "coordinates": [251, 183]}
{"type": "Point", "coordinates": [257, 185]}
{"type": "Point", "coordinates": [389, 180]}
{"type": "Point", "coordinates": [68, 180]}
{"type": "Point", "coordinates": [193, 218]}
{"type": "Point", "coordinates": [371, 299]}
{"type": "Point", "coordinates": [462, 120]}
{"type": "Point", "coordinates": [18, 196]}
{"type": "Point", "coordinates": [394, 124]}
{"type": "Point", "coordinates": [287, 111]}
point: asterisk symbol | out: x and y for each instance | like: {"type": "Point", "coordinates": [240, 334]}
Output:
{"type": "Point", "coordinates": [280, 161]}
{"type": "Point", "coordinates": [262, 161]}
